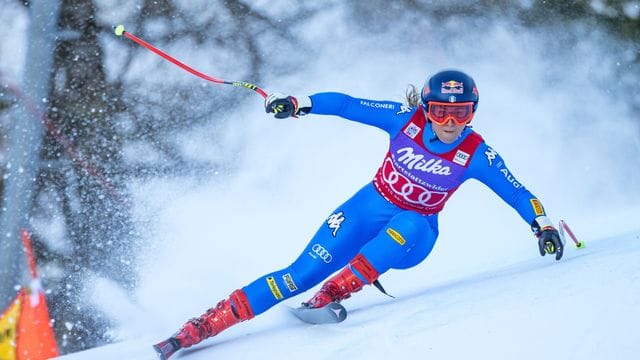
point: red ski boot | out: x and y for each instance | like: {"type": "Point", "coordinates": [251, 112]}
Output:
{"type": "Point", "coordinates": [227, 313]}
{"type": "Point", "coordinates": [343, 284]}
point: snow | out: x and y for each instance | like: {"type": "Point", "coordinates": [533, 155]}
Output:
{"type": "Point", "coordinates": [484, 292]}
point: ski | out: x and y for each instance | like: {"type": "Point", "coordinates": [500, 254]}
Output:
{"type": "Point", "coordinates": [331, 313]}
{"type": "Point", "coordinates": [166, 348]}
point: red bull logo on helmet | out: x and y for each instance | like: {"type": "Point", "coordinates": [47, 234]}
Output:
{"type": "Point", "coordinates": [452, 87]}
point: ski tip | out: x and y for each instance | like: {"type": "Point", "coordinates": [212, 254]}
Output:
{"type": "Point", "coordinates": [159, 352]}
{"type": "Point", "coordinates": [332, 313]}
{"type": "Point", "coordinates": [165, 349]}
{"type": "Point", "coordinates": [339, 311]}
{"type": "Point", "coordinates": [118, 30]}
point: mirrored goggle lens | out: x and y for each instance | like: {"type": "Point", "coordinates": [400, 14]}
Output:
{"type": "Point", "coordinates": [441, 113]}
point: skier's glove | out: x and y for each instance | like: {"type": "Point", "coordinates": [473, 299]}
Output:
{"type": "Point", "coordinates": [284, 106]}
{"type": "Point", "coordinates": [549, 241]}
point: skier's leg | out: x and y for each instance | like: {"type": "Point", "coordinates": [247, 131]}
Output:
{"type": "Point", "coordinates": [336, 242]}
{"type": "Point", "coordinates": [403, 242]}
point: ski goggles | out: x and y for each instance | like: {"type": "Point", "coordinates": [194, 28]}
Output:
{"type": "Point", "coordinates": [441, 112]}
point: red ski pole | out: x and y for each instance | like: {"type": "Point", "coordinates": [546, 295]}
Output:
{"type": "Point", "coordinates": [119, 31]}
{"type": "Point", "coordinates": [564, 227]}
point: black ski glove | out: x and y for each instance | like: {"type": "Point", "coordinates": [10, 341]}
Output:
{"type": "Point", "coordinates": [284, 106]}
{"type": "Point", "coordinates": [549, 241]}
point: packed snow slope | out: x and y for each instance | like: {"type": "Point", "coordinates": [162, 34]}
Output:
{"type": "Point", "coordinates": [583, 307]}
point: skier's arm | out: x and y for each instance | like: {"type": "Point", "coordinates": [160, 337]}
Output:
{"type": "Point", "coordinates": [488, 167]}
{"type": "Point", "coordinates": [386, 115]}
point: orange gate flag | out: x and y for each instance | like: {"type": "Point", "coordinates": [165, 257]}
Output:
{"type": "Point", "coordinates": [34, 336]}
{"type": "Point", "coordinates": [25, 330]}
{"type": "Point", "coordinates": [35, 340]}
{"type": "Point", "coordinates": [8, 329]}
{"type": "Point", "coordinates": [25, 326]}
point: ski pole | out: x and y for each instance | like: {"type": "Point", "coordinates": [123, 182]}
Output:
{"type": "Point", "coordinates": [120, 31]}
{"type": "Point", "coordinates": [26, 241]}
{"type": "Point", "coordinates": [564, 227]}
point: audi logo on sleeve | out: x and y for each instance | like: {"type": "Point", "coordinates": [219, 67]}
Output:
{"type": "Point", "coordinates": [318, 251]}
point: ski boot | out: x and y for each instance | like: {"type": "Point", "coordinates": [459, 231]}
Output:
{"type": "Point", "coordinates": [343, 284]}
{"type": "Point", "coordinates": [227, 313]}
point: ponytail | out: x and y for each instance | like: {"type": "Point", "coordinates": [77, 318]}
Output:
{"type": "Point", "coordinates": [412, 96]}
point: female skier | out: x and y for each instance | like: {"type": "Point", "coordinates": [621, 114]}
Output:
{"type": "Point", "coordinates": [392, 222]}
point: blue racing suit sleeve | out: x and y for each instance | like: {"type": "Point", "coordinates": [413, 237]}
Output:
{"type": "Point", "coordinates": [389, 116]}
{"type": "Point", "coordinates": [488, 167]}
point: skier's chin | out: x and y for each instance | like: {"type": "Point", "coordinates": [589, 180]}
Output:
{"type": "Point", "coordinates": [448, 137]}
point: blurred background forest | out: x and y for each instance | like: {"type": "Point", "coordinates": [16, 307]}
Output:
{"type": "Point", "coordinates": [114, 114]}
